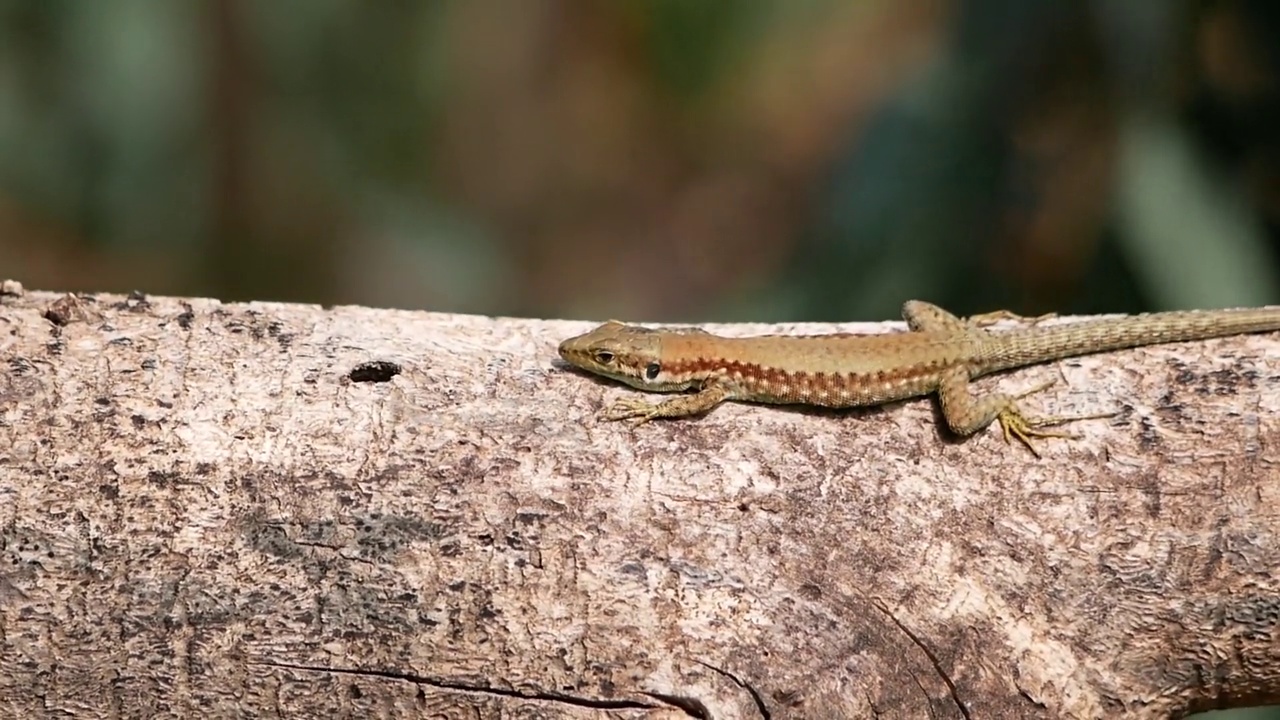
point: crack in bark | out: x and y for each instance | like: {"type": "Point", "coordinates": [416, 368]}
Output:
{"type": "Point", "coordinates": [755, 696]}
{"type": "Point", "coordinates": [924, 691]}
{"type": "Point", "coordinates": [693, 707]}
{"type": "Point", "coordinates": [438, 683]}
{"type": "Point", "coordinates": [937, 664]}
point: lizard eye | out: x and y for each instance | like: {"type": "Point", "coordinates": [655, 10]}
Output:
{"type": "Point", "coordinates": [651, 371]}
{"type": "Point", "coordinates": [604, 357]}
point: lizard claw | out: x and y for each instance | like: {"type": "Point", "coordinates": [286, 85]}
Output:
{"type": "Point", "coordinates": [1014, 424]}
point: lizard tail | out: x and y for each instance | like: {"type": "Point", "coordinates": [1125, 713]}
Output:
{"type": "Point", "coordinates": [1054, 342]}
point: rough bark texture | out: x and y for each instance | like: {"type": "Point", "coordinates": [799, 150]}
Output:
{"type": "Point", "coordinates": [261, 510]}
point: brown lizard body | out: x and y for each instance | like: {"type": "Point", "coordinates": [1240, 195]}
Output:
{"type": "Point", "coordinates": [941, 353]}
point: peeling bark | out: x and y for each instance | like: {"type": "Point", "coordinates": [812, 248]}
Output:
{"type": "Point", "coordinates": [216, 510]}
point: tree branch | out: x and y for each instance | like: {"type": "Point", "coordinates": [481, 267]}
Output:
{"type": "Point", "coordinates": [218, 509]}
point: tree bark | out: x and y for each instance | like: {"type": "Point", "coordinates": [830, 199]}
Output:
{"type": "Point", "coordinates": [260, 510]}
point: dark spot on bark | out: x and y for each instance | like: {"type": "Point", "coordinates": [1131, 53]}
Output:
{"type": "Point", "coordinates": [149, 364]}
{"type": "Point", "coordinates": [271, 540]}
{"type": "Point", "coordinates": [374, 371]}
{"type": "Point", "coordinates": [162, 479]}
{"type": "Point", "coordinates": [186, 317]}
{"type": "Point", "coordinates": [108, 491]}
{"type": "Point", "coordinates": [1153, 499]}
{"type": "Point", "coordinates": [244, 325]}
{"type": "Point", "coordinates": [138, 421]}
{"type": "Point", "coordinates": [136, 302]}
{"type": "Point", "coordinates": [1258, 616]}
{"type": "Point", "coordinates": [277, 331]}
{"type": "Point", "coordinates": [1148, 438]}
{"type": "Point", "coordinates": [380, 535]}
{"type": "Point", "coordinates": [1229, 381]}
{"type": "Point", "coordinates": [1223, 382]}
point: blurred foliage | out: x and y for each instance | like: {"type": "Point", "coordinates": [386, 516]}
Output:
{"type": "Point", "coordinates": [656, 160]}
{"type": "Point", "coordinates": [646, 159]}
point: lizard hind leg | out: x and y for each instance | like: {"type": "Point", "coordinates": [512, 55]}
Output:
{"type": "Point", "coordinates": [967, 414]}
{"type": "Point", "coordinates": [995, 316]}
{"type": "Point", "coordinates": [923, 316]}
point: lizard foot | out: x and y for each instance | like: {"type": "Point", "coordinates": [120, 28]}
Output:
{"type": "Point", "coordinates": [1015, 424]}
{"type": "Point", "coordinates": [1023, 427]}
{"type": "Point", "coordinates": [637, 411]}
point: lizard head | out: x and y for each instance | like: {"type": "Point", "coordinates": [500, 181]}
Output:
{"type": "Point", "coordinates": [627, 353]}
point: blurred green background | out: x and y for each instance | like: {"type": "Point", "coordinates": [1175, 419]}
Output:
{"type": "Point", "coordinates": [660, 160]}
{"type": "Point", "coordinates": [648, 160]}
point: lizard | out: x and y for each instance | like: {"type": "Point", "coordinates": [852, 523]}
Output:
{"type": "Point", "coordinates": [940, 353]}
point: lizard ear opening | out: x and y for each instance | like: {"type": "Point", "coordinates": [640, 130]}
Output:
{"type": "Point", "coordinates": [651, 371]}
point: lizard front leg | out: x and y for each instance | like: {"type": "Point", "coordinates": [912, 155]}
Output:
{"type": "Point", "coordinates": [639, 411]}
